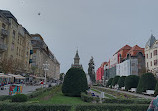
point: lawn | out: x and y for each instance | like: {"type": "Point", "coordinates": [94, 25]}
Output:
{"type": "Point", "coordinates": [52, 97]}
{"type": "Point", "coordinates": [59, 98]}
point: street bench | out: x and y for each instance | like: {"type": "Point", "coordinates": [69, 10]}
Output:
{"type": "Point", "coordinates": [122, 88]}
{"type": "Point", "coordinates": [132, 90]}
{"type": "Point", "coordinates": [149, 92]}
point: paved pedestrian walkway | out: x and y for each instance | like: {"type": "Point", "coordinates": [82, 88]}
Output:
{"type": "Point", "coordinates": [26, 89]}
{"type": "Point", "coordinates": [134, 94]}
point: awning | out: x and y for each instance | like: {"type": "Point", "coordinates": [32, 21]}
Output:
{"type": "Point", "coordinates": [17, 76]}
{"type": "Point", "coordinates": [2, 75]}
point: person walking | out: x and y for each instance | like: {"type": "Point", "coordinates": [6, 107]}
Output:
{"type": "Point", "coordinates": [153, 104]}
{"type": "Point", "coordinates": [42, 84]}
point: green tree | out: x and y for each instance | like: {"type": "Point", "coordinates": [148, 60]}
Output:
{"type": "Point", "coordinates": [61, 76]}
{"type": "Point", "coordinates": [131, 81]}
{"type": "Point", "coordinates": [146, 82]}
{"type": "Point", "coordinates": [75, 82]}
{"type": "Point", "coordinates": [115, 80]}
{"type": "Point", "coordinates": [109, 82]}
{"type": "Point", "coordinates": [121, 81]}
{"type": "Point", "coordinates": [156, 89]}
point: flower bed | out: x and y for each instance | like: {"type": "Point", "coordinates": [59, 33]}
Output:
{"type": "Point", "coordinates": [117, 94]}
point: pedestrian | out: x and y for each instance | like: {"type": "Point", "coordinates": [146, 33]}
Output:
{"type": "Point", "coordinates": [41, 84]}
{"type": "Point", "coordinates": [153, 104]}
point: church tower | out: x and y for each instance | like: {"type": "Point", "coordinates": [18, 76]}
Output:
{"type": "Point", "coordinates": [76, 61]}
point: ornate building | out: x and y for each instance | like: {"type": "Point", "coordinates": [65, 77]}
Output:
{"type": "Point", "coordinates": [76, 61]}
{"type": "Point", "coordinates": [151, 55]}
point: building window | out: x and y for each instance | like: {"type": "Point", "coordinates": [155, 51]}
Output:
{"type": "Point", "coordinates": [14, 34]}
{"type": "Point", "coordinates": [147, 56]}
{"type": "Point", "coordinates": [17, 51]}
{"type": "Point", "coordinates": [151, 63]}
{"type": "Point", "coordinates": [155, 62]}
{"type": "Point", "coordinates": [3, 26]}
{"type": "Point", "coordinates": [147, 64]}
{"type": "Point", "coordinates": [155, 52]}
{"type": "Point", "coordinates": [151, 55]}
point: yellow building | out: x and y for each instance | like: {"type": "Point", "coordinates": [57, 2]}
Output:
{"type": "Point", "coordinates": [17, 40]}
{"type": "Point", "coordinates": [41, 55]}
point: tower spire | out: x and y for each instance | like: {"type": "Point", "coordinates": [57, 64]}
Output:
{"type": "Point", "coordinates": [77, 61]}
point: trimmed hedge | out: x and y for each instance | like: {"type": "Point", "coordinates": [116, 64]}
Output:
{"type": "Point", "coordinates": [131, 81]}
{"type": "Point", "coordinates": [147, 82]}
{"type": "Point", "coordinates": [5, 97]}
{"type": "Point", "coordinates": [115, 80]}
{"type": "Point", "coordinates": [19, 98]}
{"type": "Point", "coordinates": [109, 82]}
{"type": "Point", "coordinates": [156, 89]}
{"type": "Point", "coordinates": [125, 101]}
{"type": "Point", "coordinates": [33, 107]}
{"type": "Point", "coordinates": [121, 81]}
{"type": "Point", "coordinates": [87, 98]}
{"type": "Point", "coordinates": [75, 82]}
{"type": "Point", "coordinates": [113, 107]}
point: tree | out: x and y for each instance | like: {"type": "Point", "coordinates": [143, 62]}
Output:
{"type": "Point", "coordinates": [156, 89]}
{"type": "Point", "coordinates": [75, 82]}
{"type": "Point", "coordinates": [61, 76]}
{"type": "Point", "coordinates": [109, 82]}
{"type": "Point", "coordinates": [115, 80]}
{"type": "Point", "coordinates": [146, 82]}
{"type": "Point", "coordinates": [131, 81]}
{"type": "Point", "coordinates": [121, 81]}
{"type": "Point", "coordinates": [91, 70]}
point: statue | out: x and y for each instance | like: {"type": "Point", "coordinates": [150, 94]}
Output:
{"type": "Point", "coordinates": [91, 70]}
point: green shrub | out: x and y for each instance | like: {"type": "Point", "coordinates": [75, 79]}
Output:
{"type": "Point", "coordinates": [115, 80]}
{"type": "Point", "coordinates": [125, 101]}
{"type": "Point", "coordinates": [33, 107]}
{"type": "Point", "coordinates": [121, 81]}
{"type": "Point", "coordinates": [75, 82]}
{"type": "Point", "coordinates": [5, 97]}
{"type": "Point", "coordinates": [19, 98]}
{"type": "Point", "coordinates": [109, 82]}
{"type": "Point", "coordinates": [131, 81]}
{"type": "Point", "coordinates": [88, 98]}
{"type": "Point", "coordinates": [146, 82]}
{"type": "Point", "coordinates": [156, 89]}
{"type": "Point", "coordinates": [113, 107]}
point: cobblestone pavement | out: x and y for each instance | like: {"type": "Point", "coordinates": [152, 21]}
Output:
{"type": "Point", "coordinates": [134, 94]}
{"type": "Point", "coordinates": [26, 89]}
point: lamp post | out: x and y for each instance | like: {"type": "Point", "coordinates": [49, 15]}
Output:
{"type": "Point", "coordinates": [45, 69]}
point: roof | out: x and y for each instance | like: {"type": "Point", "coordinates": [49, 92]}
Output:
{"type": "Point", "coordinates": [8, 14]}
{"type": "Point", "coordinates": [126, 47]}
{"type": "Point", "coordinates": [77, 56]}
{"type": "Point", "coordinates": [135, 50]}
{"type": "Point", "coordinates": [151, 41]}
{"type": "Point", "coordinates": [123, 51]}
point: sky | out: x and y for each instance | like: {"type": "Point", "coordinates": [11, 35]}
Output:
{"type": "Point", "coordinates": [97, 28]}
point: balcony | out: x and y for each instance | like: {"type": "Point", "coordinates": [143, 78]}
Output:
{"type": "Point", "coordinates": [4, 32]}
{"type": "Point", "coordinates": [3, 47]}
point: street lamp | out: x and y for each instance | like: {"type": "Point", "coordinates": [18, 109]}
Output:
{"type": "Point", "coordinates": [45, 69]}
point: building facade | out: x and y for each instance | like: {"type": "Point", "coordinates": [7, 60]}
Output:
{"type": "Point", "coordinates": [126, 61]}
{"type": "Point", "coordinates": [151, 55]}
{"type": "Point", "coordinates": [15, 39]}
{"type": "Point", "coordinates": [41, 55]}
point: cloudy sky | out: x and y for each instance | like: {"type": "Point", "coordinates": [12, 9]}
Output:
{"type": "Point", "coordinates": [97, 28]}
